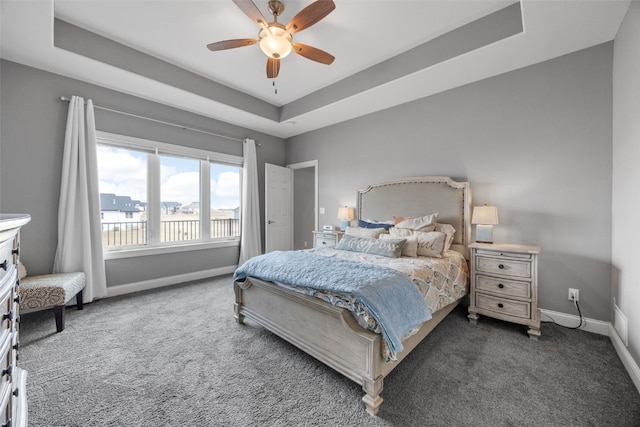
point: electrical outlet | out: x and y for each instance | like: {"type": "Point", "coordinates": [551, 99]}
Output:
{"type": "Point", "coordinates": [574, 294]}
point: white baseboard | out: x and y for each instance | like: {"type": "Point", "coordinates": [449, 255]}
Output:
{"type": "Point", "coordinates": [625, 356]}
{"type": "Point", "coordinates": [602, 328]}
{"type": "Point", "coordinates": [145, 285]}
{"type": "Point", "coordinates": [591, 325]}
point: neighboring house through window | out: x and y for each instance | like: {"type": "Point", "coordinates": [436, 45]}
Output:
{"type": "Point", "coordinates": [158, 194]}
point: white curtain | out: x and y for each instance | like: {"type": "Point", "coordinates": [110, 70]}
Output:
{"type": "Point", "coordinates": [79, 229]}
{"type": "Point", "coordinates": [250, 241]}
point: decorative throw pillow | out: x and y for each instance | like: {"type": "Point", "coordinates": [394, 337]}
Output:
{"type": "Point", "coordinates": [374, 224]}
{"type": "Point", "coordinates": [400, 232]}
{"type": "Point", "coordinates": [386, 247]}
{"type": "Point", "coordinates": [449, 231]}
{"type": "Point", "coordinates": [421, 223]}
{"type": "Point", "coordinates": [410, 248]}
{"type": "Point", "coordinates": [373, 233]}
{"type": "Point", "coordinates": [397, 219]}
{"type": "Point", "coordinates": [430, 243]}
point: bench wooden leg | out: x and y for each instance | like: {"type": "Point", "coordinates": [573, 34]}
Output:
{"type": "Point", "coordinates": [79, 300]}
{"type": "Point", "coordinates": [58, 310]}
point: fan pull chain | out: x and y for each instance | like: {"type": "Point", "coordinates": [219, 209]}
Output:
{"type": "Point", "coordinates": [275, 88]}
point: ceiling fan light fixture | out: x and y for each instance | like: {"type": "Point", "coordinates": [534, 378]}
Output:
{"type": "Point", "coordinates": [276, 43]}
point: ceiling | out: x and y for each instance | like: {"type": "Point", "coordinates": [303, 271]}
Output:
{"type": "Point", "coordinates": [380, 49]}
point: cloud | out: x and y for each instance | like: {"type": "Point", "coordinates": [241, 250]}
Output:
{"type": "Point", "coordinates": [225, 192]}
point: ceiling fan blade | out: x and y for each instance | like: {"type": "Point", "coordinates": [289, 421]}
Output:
{"type": "Point", "coordinates": [251, 10]}
{"type": "Point", "coordinates": [310, 15]}
{"type": "Point", "coordinates": [273, 68]}
{"type": "Point", "coordinates": [313, 53]}
{"type": "Point", "coordinates": [230, 44]}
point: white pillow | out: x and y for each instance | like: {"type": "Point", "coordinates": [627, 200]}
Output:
{"type": "Point", "coordinates": [410, 248]}
{"type": "Point", "coordinates": [400, 232]}
{"type": "Point", "coordinates": [372, 233]}
{"type": "Point", "coordinates": [421, 223]}
{"type": "Point", "coordinates": [449, 231]}
{"type": "Point", "coordinates": [430, 243]}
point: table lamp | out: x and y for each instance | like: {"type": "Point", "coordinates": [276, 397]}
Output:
{"type": "Point", "coordinates": [345, 215]}
{"type": "Point", "coordinates": [484, 217]}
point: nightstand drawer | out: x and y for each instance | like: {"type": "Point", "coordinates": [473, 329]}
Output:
{"type": "Point", "coordinates": [325, 242]}
{"type": "Point", "coordinates": [493, 253]}
{"type": "Point", "coordinates": [507, 267]}
{"type": "Point", "coordinates": [504, 306]}
{"type": "Point", "coordinates": [511, 288]}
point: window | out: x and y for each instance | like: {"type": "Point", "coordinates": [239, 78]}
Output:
{"type": "Point", "coordinates": [157, 194]}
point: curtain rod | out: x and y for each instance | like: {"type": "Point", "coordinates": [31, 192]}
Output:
{"type": "Point", "coordinates": [64, 98]}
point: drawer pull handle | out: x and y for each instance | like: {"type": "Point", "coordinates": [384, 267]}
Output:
{"type": "Point", "coordinates": [7, 424]}
{"type": "Point", "coordinates": [15, 393]}
{"type": "Point", "coordinates": [4, 265]}
{"type": "Point", "coordinates": [500, 305]}
{"type": "Point", "coordinates": [7, 371]}
{"type": "Point", "coordinates": [16, 346]}
{"type": "Point", "coordinates": [501, 266]}
{"type": "Point", "coordinates": [7, 316]}
{"type": "Point", "coordinates": [17, 299]}
{"type": "Point", "coordinates": [15, 251]}
{"type": "Point", "coordinates": [500, 285]}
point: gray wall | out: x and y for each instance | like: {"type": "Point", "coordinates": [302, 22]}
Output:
{"type": "Point", "coordinates": [535, 142]}
{"type": "Point", "coordinates": [626, 174]}
{"type": "Point", "coordinates": [32, 138]}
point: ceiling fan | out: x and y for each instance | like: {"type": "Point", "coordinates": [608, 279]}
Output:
{"type": "Point", "coordinates": [275, 39]}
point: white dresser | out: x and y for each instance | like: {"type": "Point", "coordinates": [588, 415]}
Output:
{"type": "Point", "coordinates": [504, 284]}
{"type": "Point", "coordinates": [13, 396]}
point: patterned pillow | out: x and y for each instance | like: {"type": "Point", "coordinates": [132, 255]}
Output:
{"type": "Point", "coordinates": [373, 233]}
{"type": "Point", "coordinates": [386, 247]}
{"type": "Point", "coordinates": [449, 231]}
{"type": "Point", "coordinates": [410, 248]}
{"type": "Point", "coordinates": [431, 243]}
{"type": "Point", "coordinates": [421, 223]}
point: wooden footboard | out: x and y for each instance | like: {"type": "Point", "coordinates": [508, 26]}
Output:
{"type": "Point", "coordinates": [328, 333]}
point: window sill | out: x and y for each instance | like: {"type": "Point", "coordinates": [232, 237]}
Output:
{"type": "Point", "coordinates": [141, 251]}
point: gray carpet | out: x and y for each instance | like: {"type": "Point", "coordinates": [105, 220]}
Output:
{"type": "Point", "coordinates": [176, 357]}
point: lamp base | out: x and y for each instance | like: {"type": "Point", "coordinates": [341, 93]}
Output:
{"type": "Point", "coordinates": [484, 233]}
{"type": "Point", "coordinates": [344, 224]}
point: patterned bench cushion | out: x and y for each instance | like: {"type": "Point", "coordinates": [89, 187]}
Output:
{"type": "Point", "coordinates": [50, 289]}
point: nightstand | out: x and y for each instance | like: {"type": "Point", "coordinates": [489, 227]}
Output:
{"type": "Point", "coordinates": [504, 284]}
{"type": "Point", "coordinates": [326, 239]}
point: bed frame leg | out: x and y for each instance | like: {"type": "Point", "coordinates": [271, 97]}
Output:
{"type": "Point", "coordinates": [372, 399]}
{"type": "Point", "coordinates": [239, 317]}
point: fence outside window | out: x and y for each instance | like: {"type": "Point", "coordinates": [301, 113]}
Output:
{"type": "Point", "coordinates": [135, 233]}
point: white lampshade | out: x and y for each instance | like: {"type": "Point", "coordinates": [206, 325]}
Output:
{"type": "Point", "coordinates": [346, 213]}
{"type": "Point", "coordinates": [485, 217]}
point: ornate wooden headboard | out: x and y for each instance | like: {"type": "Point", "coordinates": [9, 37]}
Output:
{"type": "Point", "coordinates": [420, 196]}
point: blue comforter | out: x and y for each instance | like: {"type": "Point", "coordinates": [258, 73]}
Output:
{"type": "Point", "coordinates": [390, 296]}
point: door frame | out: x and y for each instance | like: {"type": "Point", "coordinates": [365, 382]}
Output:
{"type": "Point", "coordinates": [310, 164]}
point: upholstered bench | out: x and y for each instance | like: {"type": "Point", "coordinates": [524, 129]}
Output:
{"type": "Point", "coordinates": [52, 290]}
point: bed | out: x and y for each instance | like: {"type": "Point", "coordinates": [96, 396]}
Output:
{"type": "Point", "coordinates": [332, 334]}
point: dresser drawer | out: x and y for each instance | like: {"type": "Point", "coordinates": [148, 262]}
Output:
{"type": "Point", "coordinates": [503, 267]}
{"type": "Point", "coordinates": [6, 257]}
{"type": "Point", "coordinates": [504, 306]}
{"type": "Point", "coordinates": [508, 288]}
{"type": "Point", "coordinates": [5, 407]}
{"type": "Point", "coordinates": [6, 309]}
{"type": "Point", "coordinates": [7, 362]}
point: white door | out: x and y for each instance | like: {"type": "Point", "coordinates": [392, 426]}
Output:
{"type": "Point", "coordinates": [278, 209]}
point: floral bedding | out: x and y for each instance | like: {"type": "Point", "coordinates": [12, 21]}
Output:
{"type": "Point", "coordinates": [441, 281]}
